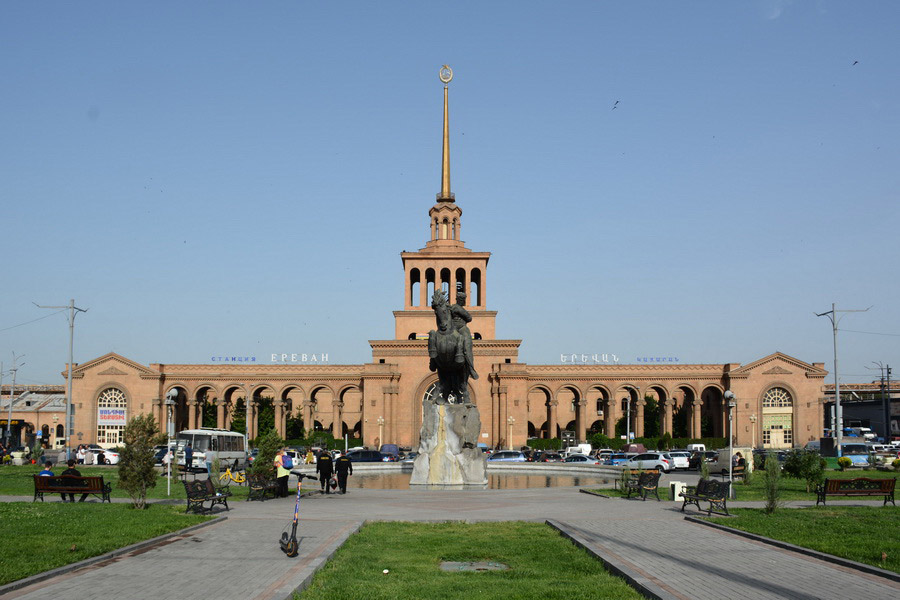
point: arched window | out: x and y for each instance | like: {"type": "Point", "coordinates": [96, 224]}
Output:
{"type": "Point", "coordinates": [777, 398]}
{"type": "Point", "coordinates": [112, 415]}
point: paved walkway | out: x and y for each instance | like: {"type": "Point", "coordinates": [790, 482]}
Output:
{"type": "Point", "coordinates": [239, 558]}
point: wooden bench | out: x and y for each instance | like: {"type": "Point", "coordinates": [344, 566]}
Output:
{"type": "Point", "coordinates": [71, 484]}
{"type": "Point", "coordinates": [261, 485]}
{"type": "Point", "coordinates": [737, 472]}
{"type": "Point", "coordinates": [644, 483]}
{"type": "Point", "coordinates": [860, 486]}
{"type": "Point", "coordinates": [200, 491]}
{"type": "Point", "coordinates": [708, 490]}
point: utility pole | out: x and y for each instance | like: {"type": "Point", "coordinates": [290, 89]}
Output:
{"type": "Point", "coordinates": [838, 431]}
{"type": "Point", "coordinates": [12, 396]}
{"type": "Point", "coordinates": [69, 416]}
{"type": "Point", "coordinates": [885, 398]}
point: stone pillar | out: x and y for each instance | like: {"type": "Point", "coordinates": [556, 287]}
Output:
{"type": "Point", "coordinates": [639, 419]}
{"type": "Point", "coordinates": [423, 288]}
{"type": "Point", "coordinates": [220, 413]}
{"type": "Point", "coordinates": [337, 420]}
{"type": "Point", "coordinates": [580, 428]}
{"type": "Point", "coordinates": [279, 417]}
{"type": "Point", "coordinates": [667, 417]}
{"type": "Point", "coordinates": [157, 412]}
{"type": "Point", "coordinates": [551, 422]}
{"type": "Point", "coordinates": [252, 424]}
{"type": "Point", "coordinates": [610, 415]}
{"type": "Point", "coordinates": [723, 413]}
{"type": "Point", "coordinates": [695, 418]}
{"type": "Point", "coordinates": [192, 413]}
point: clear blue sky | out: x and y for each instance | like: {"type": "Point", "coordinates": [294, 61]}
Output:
{"type": "Point", "coordinates": [239, 178]}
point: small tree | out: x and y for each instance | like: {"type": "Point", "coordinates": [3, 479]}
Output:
{"type": "Point", "coordinates": [806, 465]}
{"type": "Point", "coordinates": [136, 469]}
{"type": "Point", "coordinates": [268, 444]}
{"type": "Point", "coordinates": [844, 463]}
{"type": "Point", "coordinates": [771, 481]}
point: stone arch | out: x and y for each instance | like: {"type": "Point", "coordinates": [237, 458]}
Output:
{"type": "Point", "coordinates": [203, 399]}
{"type": "Point", "coordinates": [626, 398]}
{"type": "Point", "coordinates": [415, 283]}
{"type": "Point", "coordinates": [180, 409]}
{"type": "Point", "coordinates": [540, 400]}
{"type": "Point", "coordinates": [713, 411]}
{"type": "Point", "coordinates": [778, 420]}
{"type": "Point", "coordinates": [661, 394]}
{"type": "Point", "coordinates": [321, 398]}
{"type": "Point", "coordinates": [570, 409]}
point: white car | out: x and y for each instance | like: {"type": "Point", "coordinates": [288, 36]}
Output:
{"type": "Point", "coordinates": [110, 457]}
{"type": "Point", "coordinates": [583, 459]}
{"type": "Point", "coordinates": [651, 460]}
{"type": "Point", "coordinates": [681, 460]}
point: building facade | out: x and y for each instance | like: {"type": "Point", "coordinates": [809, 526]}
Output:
{"type": "Point", "coordinates": [778, 397]}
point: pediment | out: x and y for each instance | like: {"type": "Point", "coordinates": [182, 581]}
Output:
{"type": "Point", "coordinates": [775, 364]}
{"type": "Point", "coordinates": [113, 364]}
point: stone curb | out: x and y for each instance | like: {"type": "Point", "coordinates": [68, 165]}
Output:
{"type": "Point", "coordinates": [38, 577]}
{"type": "Point", "coordinates": [321, 560]}
{"type": "Point", "coordinates": [638, 581]}
{"type": "Point", "coordinates": [844, 562]}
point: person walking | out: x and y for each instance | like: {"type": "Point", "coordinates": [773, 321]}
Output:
{"type": "Point", "coordinates": [281, 474]}
{"type": "Point", "coordinates": [188, 457]}
{"type": "Point", "coordinates": [325, 469]}
{"type": "Point", "coordinates": [344, 467]}
{"type": "Point", "coordinates": [72, 471]}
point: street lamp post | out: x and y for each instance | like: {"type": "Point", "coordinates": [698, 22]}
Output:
{"type": "Point", "coordinates": [838, 431]}
{"type": "Point", "coordinates": [12, 394]}
{"type": "Point", "coordinates": [753, 427]}
{"type": "Point", "coordinates": [510, 422]}
{"type": "Point", "coordinates": [729, 396]}
{"type": "Point", "coordinates": [380, 422]}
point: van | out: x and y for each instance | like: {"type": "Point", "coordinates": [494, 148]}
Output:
{"type": "Point", "coordinates": [210, 444]}
{"type": "Point", "coordinates": [578, 449]}
{"type": "Point", "coordinates": [696, 447]}
{"type": "Point", "coordinates": [392, 449]}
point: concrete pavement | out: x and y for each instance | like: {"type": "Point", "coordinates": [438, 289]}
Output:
{"type": "Point", "coordinates": [239, 558]}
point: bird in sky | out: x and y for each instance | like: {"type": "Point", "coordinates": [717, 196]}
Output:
{"type": "Point", "coordinates": [614, 105]}
{"type": "Point", "coordinates": [855, 62]}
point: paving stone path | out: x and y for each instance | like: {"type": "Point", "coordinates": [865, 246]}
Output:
{"type": "Point", "coordinates": [239, 558]}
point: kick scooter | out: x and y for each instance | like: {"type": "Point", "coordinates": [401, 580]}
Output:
{"type": "Point", "coordinates": [289, 543]}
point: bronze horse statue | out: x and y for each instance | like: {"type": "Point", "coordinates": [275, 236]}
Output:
{"type": "Point", "coordinates": [446, 355]}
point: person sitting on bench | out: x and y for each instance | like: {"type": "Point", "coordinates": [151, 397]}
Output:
{"type": "Point", "coordinates": [72, 471]}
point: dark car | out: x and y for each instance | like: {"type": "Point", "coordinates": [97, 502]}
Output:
{"type": "Point", "coordinates": [365, 456]}
{"type": "Point", "coordinates": [694, 460]}
{"type": "Point", "coordinates": [551, 457]}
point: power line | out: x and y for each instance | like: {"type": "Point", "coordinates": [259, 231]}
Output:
{"type": "Point", "coordinates": [33, 320]}
{"type": "Point", "coordinates": [870, 332]}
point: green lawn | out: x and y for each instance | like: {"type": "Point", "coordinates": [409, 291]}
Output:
{"type": "Point", "coordinates": [791, 489]}
{"type": "Point", "coordinates": [542, 564]}
{"type": "Point", "coordinates": [860, 533]}
{"type": "Point", "coordinates": [18, 481]}
{"type": "Point", "coordinates": [50, 535]}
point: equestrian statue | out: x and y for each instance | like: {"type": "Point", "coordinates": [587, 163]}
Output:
{"type": "Point", "coordinates": [450, 349]}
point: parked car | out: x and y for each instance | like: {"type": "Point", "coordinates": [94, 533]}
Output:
{"type": "Point", "coordinates": [680, 458]}
{"type": "Point", "coordinates": [410, 458]}
{"type": "Point", "coordinates": [583, 459]}
{"type": "Point", "coordinates": [252, 456]}
{"type": "Point", "coordinates": [696, 457]}
{"type": "Point", "coordinates": [551, 457]}
{"type": "Point", "coordinates": [109, 457]}
{"type": "Point", "coordinates": [651, 460]}
{"type": "Point", "coordinates": [507, 456]}
{"type": "Point", "coordinates": [365, 456]}
{"type": "Point", "coordinates": [616, 459]}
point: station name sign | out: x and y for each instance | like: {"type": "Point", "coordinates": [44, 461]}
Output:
{"type": "Point", "coordinates": [589, 359]}
{"type": "Point", "coordinates": [294, 357]}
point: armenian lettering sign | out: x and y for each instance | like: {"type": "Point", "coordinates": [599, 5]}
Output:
{"type": "Point", "coordinates": [111, 416]}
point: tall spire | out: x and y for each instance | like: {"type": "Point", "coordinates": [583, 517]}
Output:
{"type": "Point", "coordinates": [446, 74]}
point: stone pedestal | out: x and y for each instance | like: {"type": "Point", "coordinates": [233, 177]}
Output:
{"type": "Point", "coordinates": [448, 454]}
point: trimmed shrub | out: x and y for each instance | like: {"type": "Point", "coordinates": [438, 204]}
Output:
{"type": "Point", "coordinates": [136, 467]}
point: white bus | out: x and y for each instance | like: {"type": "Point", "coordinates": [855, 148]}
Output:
{"type": "Point", "coordinates": [208, 444]}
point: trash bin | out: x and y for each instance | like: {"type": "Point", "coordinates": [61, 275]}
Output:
{"type": "Point", "coordinates": [675, 488]}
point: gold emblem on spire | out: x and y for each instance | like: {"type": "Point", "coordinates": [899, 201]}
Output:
{"type": "Point", "coordinates": [446, 74]}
